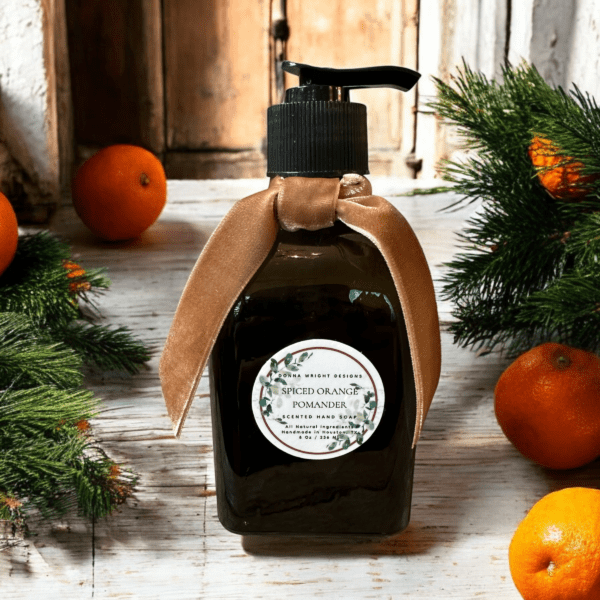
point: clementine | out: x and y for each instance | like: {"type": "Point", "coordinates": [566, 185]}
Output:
{"type": "Point", "coordinates": [9, 233]}
{"type": "Point", "coordinates": [555, 552]}
{"type": "Point", "coordinates": [560, 175]}
{"type": "Point", "coordinates": [547, 403]}
{"type": "Point", "coordinates": [120, 191]}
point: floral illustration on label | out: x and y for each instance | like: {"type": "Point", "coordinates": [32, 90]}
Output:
{"type": "Point", "coordinates": [318, 399]}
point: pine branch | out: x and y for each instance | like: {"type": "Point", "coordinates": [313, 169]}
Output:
{"type": "Point", "coordinates": [494, 119]}
{"type": "Point", "coordinates": [48, 461]}
{"type": "Point", "coordinates": [47, 456]}
{"type": "Point", "coordinates": [44, 409]}
{"type": "Point", "coordinates": [584, 240]}
{"type": "Point", "coordinates": [38, 283]}
{"type": "Point", "coordinates": [574, 127]}
{"type": "Point", "coordinates": [107, 349]}
{"type": "Point", "coordinates": [39, 443]}
{"type": "Point", "coordinates": [46, 286]}
{"type": "Point", "coordinates": [571, 305]}
{"type": "Point", "coordinates": [527, 269]}
{"type": "Point", "coordinates": [101, 485]}
{"type": "Point", "coordinates": [28, 358]}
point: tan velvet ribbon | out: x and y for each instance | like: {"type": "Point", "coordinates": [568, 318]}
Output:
{"type": "Point", "coordinates": [243, 240]}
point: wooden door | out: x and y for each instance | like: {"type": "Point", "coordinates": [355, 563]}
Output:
{"type": "Point", "coordinates": [361, 33]}
{"type": "Point", "coordinates": [217, 87]}
{"type": "Point", "coordinates": [192, 79]}
{"type": "Point", "coordinates": [115, 55]}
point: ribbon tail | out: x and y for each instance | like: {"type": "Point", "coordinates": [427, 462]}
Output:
{"type": "Point", "coordinates": [230, 258]}
{"type": "Point", "coordinates": [384, 225]}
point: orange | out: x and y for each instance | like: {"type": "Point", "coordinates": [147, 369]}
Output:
{"type": "Point", "coordinates": [564, 180]}
{"type": "Point", "coordinates": [555, 551]}
{"type": "Point", "coordinates": [9, 233]}
{"type": "Point", "coordinates": [120, 191]}
{"type": "Point", "coordinates": [547, 403]}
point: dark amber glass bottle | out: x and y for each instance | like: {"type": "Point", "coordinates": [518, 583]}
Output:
{"type": "Point", "coordinates": [312, 387]}
{"type": "Point", "coordinates": [329, 284]}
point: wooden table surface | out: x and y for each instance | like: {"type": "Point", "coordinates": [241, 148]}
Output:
{"type": "Point", "coordinates": [471, 486]}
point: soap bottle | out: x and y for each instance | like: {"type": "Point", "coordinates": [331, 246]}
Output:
{"type": "Point", "coordinates": [312, 386]}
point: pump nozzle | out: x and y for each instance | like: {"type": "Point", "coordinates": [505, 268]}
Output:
{"type": "Point", "coordinates": [317, 131]}
{"type": "Point", "coordinates": [399, 78]}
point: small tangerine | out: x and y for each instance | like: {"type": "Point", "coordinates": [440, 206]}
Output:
{"type": "Point", "coordinates": [120, 191]}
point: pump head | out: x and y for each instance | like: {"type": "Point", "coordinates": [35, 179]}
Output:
{"type": "Point", "coordinates": [317, 131]}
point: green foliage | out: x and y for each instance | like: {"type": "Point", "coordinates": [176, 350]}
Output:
{"type": "Point", "coordinates": [29, 358]}
{"type": "Point", "coordinates": [35, 283]}
{"type": "Point", "coordinates": [44, 285]}
{"type": "Point", "coordinates": [107, 349]}
{"type": "Point", "coordinates": [48, 459]}
{"type": "Point", "coordinates": [528, 268]}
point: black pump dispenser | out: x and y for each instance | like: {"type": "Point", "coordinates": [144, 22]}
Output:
{"type": "Point", "coordinates": [317, 131]}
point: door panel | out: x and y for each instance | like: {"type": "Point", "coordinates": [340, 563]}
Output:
{"type": "Point", "coordinates": [216, 73]}
{"type": "Point", "coordinates": [115, 56]}
{"type": "Point", "coordinates": [192, 79]}
{"type": "Point", "coordinates": [361, 33]}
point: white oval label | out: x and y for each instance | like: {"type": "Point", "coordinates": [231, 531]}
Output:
{"type": "Point", "coordinates": [318, 399]}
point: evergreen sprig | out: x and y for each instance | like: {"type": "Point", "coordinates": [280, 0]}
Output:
{"type": "Point", "coordinates": [106, 348]}
{"type": "Point", "coordinates": [35, 283]}
{"type": "Point", "coordinates": [527, 270]}
{"type": "Point", "coordinates": [43, 284]}
{"type": "Point", "coordinates": [575, 129]}
{"type": "Point", "coordinates": [29, 358]}
{"type": "Point", "coordinates": [48, 458]}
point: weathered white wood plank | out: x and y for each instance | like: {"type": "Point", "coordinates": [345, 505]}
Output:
{"type": "Point", "coordinates": [471, 487]}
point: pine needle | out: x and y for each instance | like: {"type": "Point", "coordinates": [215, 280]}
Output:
{"type": "Point", "coordinates": [527, 269]}
{"type": "Point", "coordinates": [30, 358]}
{"type": "Point", "coordinates": [107, 349]}
{"type": "Point", "coordinates": [48, 459]}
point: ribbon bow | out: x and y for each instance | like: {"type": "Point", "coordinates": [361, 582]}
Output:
{"type": "Point", "coordinates": [243, 240]}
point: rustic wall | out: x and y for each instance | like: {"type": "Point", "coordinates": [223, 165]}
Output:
{"type": "Point", "coordinates": [562, 39]}
{"type": "Point", "coordinates": [541, 33]}
{"type": "Point", "coordinates": [28, 122]}
{"type": "Point", "coordinates": [583, 52]}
